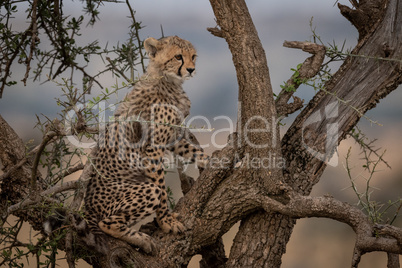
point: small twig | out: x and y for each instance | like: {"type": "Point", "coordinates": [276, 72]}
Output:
{"type": "Point", "coordinates": [71, 185]}
{"type": "Point", "coordinates": [137, 36]}
{"type": "Point", "coordinates": [48, 137]}
{"type": "Point", "coordinates": [7, 69]}
{"type": "Point", "coordinates": [354, 3]}
{"type": "Point", "coordinates": [396, 212]}
{"type": "Point", "coordinates": [117, 70]}
{"type": "Point", "coordinates": [15, 242]}
{"type": "Point", "coordinates": [69, 249]}
{"type": "Point", "coordinates": [359, 138]}
{"type": "Point", "coordinates": [346, 102]}
{"type": "Point", "coordinates": [162, 33]}
{"type": "Point", "coordinates": [357, 255]}
{"type": "Point", "coordinates": [70, 171]}
{"type": "Point", "coordinates": [92, 78]}
{"type": "Point", "coordinates": [34, 38]}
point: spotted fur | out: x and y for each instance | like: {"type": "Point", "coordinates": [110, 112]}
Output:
{"type": "Point", "coordinates": [129, 181]}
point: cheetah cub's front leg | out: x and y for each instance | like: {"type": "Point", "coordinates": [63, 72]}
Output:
{"type": "Point", "coordinates": [113, 226]}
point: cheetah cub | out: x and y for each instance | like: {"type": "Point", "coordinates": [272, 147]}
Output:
{"type": "Point", "coordinates": [129, 184]}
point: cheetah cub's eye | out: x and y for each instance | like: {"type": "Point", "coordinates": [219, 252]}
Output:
{"type": "Point", "coordinates": [194, 57]}
{"type": "Point", "coordinates": [179, 57]}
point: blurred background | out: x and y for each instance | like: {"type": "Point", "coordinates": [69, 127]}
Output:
{"type": "Point", "coordinates": [213, 92]}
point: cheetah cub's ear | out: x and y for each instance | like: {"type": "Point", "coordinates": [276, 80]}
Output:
{"type": "Point", "coordinates": [150, 45]}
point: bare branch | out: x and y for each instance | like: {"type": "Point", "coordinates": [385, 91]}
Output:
{"type": "Point", "coordinates": [136, 27]}
{"type": "Point", "coordinates": [69, 249]}
{"type": "Point", "coordinates": [311, 48]}
{"type": "Point", "coordinates": [357, 255]}
{"type": "Point", "coordinates": [215, 31]}
{"type": "Point", "coordinates": [70, 171]}
{"type": "Point", "coordinates": [393, 260]}
{"type": "Point", "coordinates": [361, 139]}
{"type": "Point", "coordinates": [290, 108]}
{"type": "Point", "coordinates": [365, 16]}
{"type": "Point", "coordinates": [310, 67]}
{"type": "Point", "coordinates": [305, 207]}
{"type": "Point", "coordinates": [71, 185]}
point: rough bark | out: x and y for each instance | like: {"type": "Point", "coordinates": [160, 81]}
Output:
{"type": "Point", "coordinates": [15, 181]}
{"type": "Point", "coordinates": [213, 256]}
{"type": "Point", "coordinates": [393, 260]}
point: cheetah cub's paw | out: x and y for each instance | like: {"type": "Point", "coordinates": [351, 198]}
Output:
{"type": "Point", "coordinates": [149, 245]}
{"type": "Point", "coordinates": [171, 224]}
{"type": "Point", "coordinates": [144, 242]}
{"type": "Point", "coordinates": [203, 162]}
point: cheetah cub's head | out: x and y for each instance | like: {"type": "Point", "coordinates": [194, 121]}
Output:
{"type": "Point", "coordinates": [171, 57]}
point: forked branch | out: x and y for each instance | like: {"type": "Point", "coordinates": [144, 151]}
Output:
{"type": "Point", "coordinates": [387, 238]}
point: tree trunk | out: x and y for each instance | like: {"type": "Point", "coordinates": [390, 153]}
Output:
{"type": "Point", "coordinates": [362, 80]}
{"type": "Point", "coordinates": [393, 260]}
{"type": "Point", "coordinates": [15, 182]}
{"type": "Point", "coordinates": [256, 101]}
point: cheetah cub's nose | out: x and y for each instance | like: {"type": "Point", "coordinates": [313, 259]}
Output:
{"type": "Point", "coordinates": [190, 70]}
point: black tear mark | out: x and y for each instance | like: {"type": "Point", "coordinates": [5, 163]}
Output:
{"type": "Point", "coordinates": [179, 71]}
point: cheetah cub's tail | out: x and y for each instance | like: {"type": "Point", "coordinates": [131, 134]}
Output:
{"type": "Point", "coordinates": [94, 239]}
{"type": "Point", "coordinates": [92, 235]}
